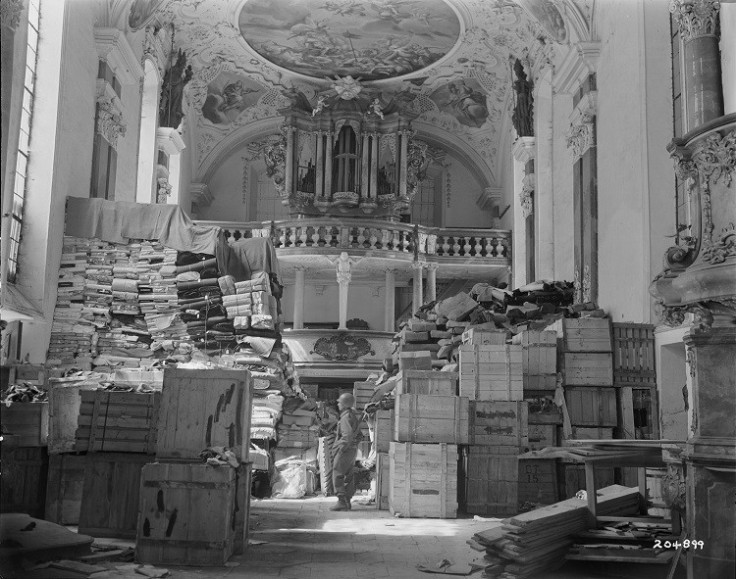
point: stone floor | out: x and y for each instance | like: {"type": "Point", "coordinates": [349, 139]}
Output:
{"type": "Point", "coordinates": [303, 539]}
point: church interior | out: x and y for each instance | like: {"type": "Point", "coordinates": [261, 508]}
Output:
{"type": "Point", "coordinates": [504, 229]}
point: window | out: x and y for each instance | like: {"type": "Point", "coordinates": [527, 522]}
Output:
{"type": "Point", "coordinates": [21, 165]}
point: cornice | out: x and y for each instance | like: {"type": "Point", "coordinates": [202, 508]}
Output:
{"type": "Point", "coordinates": [524, 149]}
{"type": "Point", "coordinates": [113, 47]}
{"type": "Point", "coordinates": [581, 61]}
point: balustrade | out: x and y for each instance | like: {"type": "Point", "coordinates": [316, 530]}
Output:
{"type": "Point", "coordinates": [373, 235]}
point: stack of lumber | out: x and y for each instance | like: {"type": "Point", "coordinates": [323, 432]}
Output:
{"type": "Point", "coordinates": [537, 541]}
{"type": "Point", "coordinates": [195, 499]}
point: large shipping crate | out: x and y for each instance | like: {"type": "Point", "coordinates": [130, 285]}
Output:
{"type": "Point", "coordinates": [383, 429]}
{"type": "Point", "coordinates": [491, 481]}
{"type": "Point", "coordinates": [542, 436]}
{"type": "Point", "coordinates": [491, 372]}
{"type": "Point", "coordinates": [204, 408]}
{"type": "Point", "coordinates": [498, 423]}
{"type": "Point", "coordinates": [539, 359]}
{"type": "Point", "coordinates": [587, 369]}
{"type": "Point", "coordinates": [427, 382]}
{"type": "Point", "coordinates": [481, 337]}
{"type": "Point", "coordinates": [29, 421]}
{"type": "Point", "coordinates": [64, 488]}
{"type": "Point", "coordinates": [543, 410]}
{"type": "Point", "coordinates": [117, 421]}
{"type": "Point", "coordinates": [538, 481]}
{"type": "Point", "coordinates": [423, 480]}
{"type": "Point", "coordinates": [363, 392]}
{"type": "Point", "coordinates": [64, 405]}
{"type": "Point", "coordinates": [431, 419]}
{"type": "Point", "coordinates": [23, 480]}
{"type": "Point", "coordinates": [383, 480]}
{"type": "Point", "coordinates": [187, 514]}
{"type": "Point", "coordinates": [110, 496]}
{"type": "Point", "coordinates": [589, 406]}
{"type": "Point", "coordinates": [583, 334]}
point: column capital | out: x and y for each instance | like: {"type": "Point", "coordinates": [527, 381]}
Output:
{"type": "Point", "coordinates": [525, 149]}
{"type": "Point", "coordinates": [418, 265]}
{"type": "Point", "coordinates": [696, 18]}
{"type": "Point", "coordinates": [580, 138]}
{"type": "Point", "coordinates": [432, 266]}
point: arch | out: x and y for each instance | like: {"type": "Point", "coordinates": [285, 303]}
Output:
{"type": "Point", "coordinates": [147, 136]}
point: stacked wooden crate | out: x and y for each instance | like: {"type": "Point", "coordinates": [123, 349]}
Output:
{"type": "Point", "coordinates": [193, 512]}
{"type": "Point", "coordinates": [382, 434]}
{"type": "Point", "coordinates": [429, 422]}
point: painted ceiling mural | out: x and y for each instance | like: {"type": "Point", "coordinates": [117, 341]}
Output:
{"type": "Point", "coordinates": [448, 62]}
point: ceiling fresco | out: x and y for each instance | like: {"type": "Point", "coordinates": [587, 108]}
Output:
{"type": "Point", "coordinates": [368, 40]}
{"type": "Point", "coordinates": [448, 62]}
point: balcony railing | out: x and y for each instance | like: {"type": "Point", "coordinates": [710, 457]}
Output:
{"type": "Point", "coordinates": [371, 235]}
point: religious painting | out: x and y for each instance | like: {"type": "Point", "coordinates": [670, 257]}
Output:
{"type": "Point", "coordinates": [336, 38]}
{"type": "Point", "coordinates": [463, 99]}
{"type": "Point", "coordinates": [228, 96]}
{"type": "Point", "coordinates": [141, 12]}
{"type": "Point", "coordinates": [548, 16]}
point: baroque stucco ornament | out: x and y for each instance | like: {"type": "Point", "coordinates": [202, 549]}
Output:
{"type": "Point", "coordinates": [10, 13]}
{"type": "Point", "coordinates": [526, 196]}
{"type": "Point", "coordinates": [581, 138]}
{"type": "Point", "coordinates": [343, 347]}
{"type": "Point", "coordinates": [696, 17]}
{"type": "Point", "coordinates": [110, 121]}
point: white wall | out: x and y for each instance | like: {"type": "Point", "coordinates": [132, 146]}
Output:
{"type": "Point", "coordinates": [363, 303]}
{"type": "Point", "coordinates": [562, 182]}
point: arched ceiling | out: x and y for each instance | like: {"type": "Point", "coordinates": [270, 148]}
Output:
{"type": "Point", "coordinates": [447, 62]}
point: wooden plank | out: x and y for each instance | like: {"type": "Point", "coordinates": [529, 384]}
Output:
{"type": "Point", "coordinates": [498, 423]}
{"type": "Point", "coordinates": [539, 359]}
{"type": "Point", "coordinates": [204, 408]}
{"type": "Point", "coordinates": [591, 406]}
{"type": "Point", "coordinates": [583, 334]}
{"type": "Point", "coordinates": [423, 480]}
{"type": "Point", "coordinates": [110, 496]}
{"type": "Point", "coordinates": [176, 523]}
{"type": "Point", "coordinates": [383, 480]}
{"type": "Point", "coordinates": [27, 420]}
{"type": "Point", "coordinates": [426, 382]}
{"type": "Point", "coordinates": [431, 419]}
{"type": "Point", "coordinates": [633, 354]}
{"type": "Point", "coordinates": [383, 429]}
{"type": "Point", "coordinates": [587, 369]}
{"type": "Point", "coordinates": [625, 405]}
{"type": "Point", "coordinates": [491, 482]}
{"type": "Point", "coordinates": [23, 480]}
{"type": "Point", "coordinates": [64, 488]}
{"type": "Point", "coordinates": [574, 477]}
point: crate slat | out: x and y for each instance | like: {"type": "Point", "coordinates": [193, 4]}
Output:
{"type": "Point", "coordinates": [633, 354]}
{"type": "Point", "coordinates": [583, 334]}
{"type": "Point", "coordinates": [431, 419]}
{"type": "Point", "coordinates": [491, 372]}
{"type": "Point", "coordinates": [427, 382]}
{"type": "Point", "coordinates": [587, 368]}
{"type": "Point", "coordinates": [498, 423]}
{"type": "Point", "coordinates": [590, 406]}
{"type": "Point", "coordinates": [383, 480]}
{"type": "Point", "coordinates": [491, 481]}
{"type": "Point", "coordinates": [23, 480]}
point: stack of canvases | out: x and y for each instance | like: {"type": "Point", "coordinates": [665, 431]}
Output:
{"type": "Point", "coordinates": [491, 376]}
{"type": "Point", "coordinates": [429, 422]}
{"type": "Point", "coordinates": [194, 501]}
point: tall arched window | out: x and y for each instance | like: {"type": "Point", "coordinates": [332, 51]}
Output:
{"type": "Point", "coordinates": [345, 161]}
{"type": "Point", "coordinates": [147, 141]}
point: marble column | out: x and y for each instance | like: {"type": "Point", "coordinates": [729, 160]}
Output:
{"type": "Point", "coordinates": [343, 280]}
{"type": "Point", "coordinates": [299, 274]}
{"type": "Point", "coordinates": [418, 294]}
{"type": "Point", "coordinates": [432, 281]}
{"type": "Point", "coordinates": [698, 24]}
{"type": "Point", "coordinates": [390, 310]}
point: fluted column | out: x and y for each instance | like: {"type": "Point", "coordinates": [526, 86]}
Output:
{"type": "Point", "coordinates": [698, 24]}
{"type": "Point", "coordinates": [343, 280]}
{"type": "Point", "coordinates": [418, 294]}
{"type": "Point", "coordinates": [432, 281]}
{"type": "Point", "coordinates": [390, 310]}
{"type": "Point", "coordinates": [299, 298]}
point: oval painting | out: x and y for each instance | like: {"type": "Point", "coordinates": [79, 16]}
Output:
{"type": "Point", "coordinates": [368, 40]}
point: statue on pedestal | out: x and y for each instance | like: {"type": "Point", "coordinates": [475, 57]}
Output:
{"type": "Point", "coordinates": [523, 116]}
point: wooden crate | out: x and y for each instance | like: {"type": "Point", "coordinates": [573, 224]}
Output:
{"type": "Point", "coordinates": [426, 382]}
{"type": "Point", "coordinates": [423, 480]}
{"type": "Point", "coordinates": [383, 480]}
{"type": "Point", "coordinates": [574, 478]}
{"type": "Point", "coordinates": [498, 423]}
{"type": "Point", "coordinates": [23, 480]}
{"type": "Point", "coordinates": [542, 410]}
{"type": "Point", "coordinates": [589, 406]}
{"type": "Point", "coordinates": [633, 355]}
{"type": "Point", "coordinates": [587, 369]}
{"type": "Point", "coordinates": [243, 484]}
{"type": "Point", "coordinates": [64, 404]}
{"type": "Point", "coordinates": [383, 429]}
{"type": "Point", "coordinates": [539, 359]}
{"type": "Point", "coordinates": [583, 334]}
{"type": "Point", "coordinates": [324, 463]}
{"type": "Point", "coordinates": [431, 419]}
{"type": "Point", "coordinates": [538, 481]}
{"type": "Point", "coordinates": [110, 495]}
{"type": "Point", "coordinates": [491, 372]}
{"type": "Point", "coordinates": [187, 514]}
{"type": "Point", "coordinates": [491, 483]}
{"type": "Point", "coordinates": [363, 392]}
{"type": "Point", "coordinates": [542, 436]}
{"type": "Point", "coordinates": [203, 408]}
{"type": "Point", "coordinates": [64, 488]}
{"type": "Point", "coordinates": [415, 361]}
{"type": "Point", "coordinates": [117, 421]}
{"type": "Point", "coordinates": [480, 337]}
{"type": "Point", "coordinates": [592, 433]}
{"type": "Point", "coordinates": [29, 421]}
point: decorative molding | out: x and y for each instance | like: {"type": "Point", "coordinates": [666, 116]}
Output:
{"type": "Point", "coordinates": [488, 198]}
{"type": "Point", "coordinates": [581, 138]}
{"type": "Point", "coordinates": [343, 346]}
{"type": "Point", "coordinates": [586, 109]}
{"type": "Point", "coordinates": [525, 149]}
{"type": "Point", "coordinates": [163, 190]}
{"type": "Point", "coordinates": [110, 121]}
{"type": "Point", "coordinates": [157, 47]}
{"type": "Point", "coordinates": [113, 48]}
{"type": "Point", "coordinates": [696, 18]}
{"type": "Point", "coordinates": [674, 488]}
{"type": "Point", "coordinates": [169, 141]}
{"type": "Point", "coordinates": [343, 266]}
{"type": "Point", "coordinates": [580, 62]}
{"type": "Point", "coordinates": [10, 11]}
{"type": "Point", "coordinates": [526, 195]}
